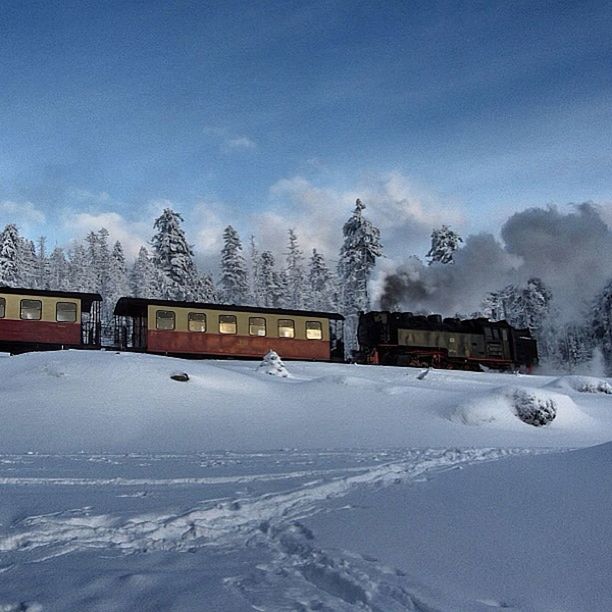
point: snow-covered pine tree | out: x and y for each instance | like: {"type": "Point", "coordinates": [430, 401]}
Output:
{"type": "Point", "coordinates": [98, 257]}
{"type": "Point", "coordinates": [9, 256]}
{"type": "Point", "coordinates": [522, 306]}
{"type": "Point", "coordinates": [602, 324]}
{"type": "Point", "coordinates": [144, 277]}
{"type": "Point", "coordinates": [59, 272]}
{"type": "Point", "coordinates": [252, 272]}
{"type": "Point", "coordinates": [358, 256]}
{"type": "Point", "coordinates": [567, 346]}
{"type": "Point", "coordinates": [528, 305]}
{"type": "Point", "coordinates": [118, 284]}
{"type": "Point", "coordinates": [173, 256]}
{"type": "Point", "coordinates": [444, 243]}
{"type": "Point", "coordinates": [267, 288]}
{"type": "Point", "coordinates": [42, 264]}
{"type": "Point", "coordinates": [81, 275]}
{"type": "Point", "coordinates": [234, 282]}
{"type": "Point", "coordinates": [320, 292]}
{"type": "Point", "coordinates": [205, 290]}
{"type": "Point", "coordinates": [294, 273]}
{"type": "Point", "coordinates": [26, 262]}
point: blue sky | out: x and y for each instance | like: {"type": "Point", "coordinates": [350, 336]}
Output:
{"type": "Point", "coordinates": [270, 115]}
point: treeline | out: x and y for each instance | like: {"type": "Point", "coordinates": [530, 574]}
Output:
{"type": "Point", "coordinates": [253, 276]}
{"type": "Point", "coordinates": [167, 270]}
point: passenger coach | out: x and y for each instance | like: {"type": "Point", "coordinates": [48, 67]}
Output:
{"type": "Point", "coordinates": [198, 329]}
{"type": "Point", "coordinates": [37, 320]}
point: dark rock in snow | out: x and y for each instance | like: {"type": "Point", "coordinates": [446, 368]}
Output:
{"type": "Point", "coordinates": [180, 376]}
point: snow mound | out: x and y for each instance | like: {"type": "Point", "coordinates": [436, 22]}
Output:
{"type": "Point", "coordinates": [508, 406]}
{"type": "Point", "coordinates": [345, 381]}
{"type": "Point", "coordinates": [582, 384]}
{"type": "Point", "coordinates": [273, 365]}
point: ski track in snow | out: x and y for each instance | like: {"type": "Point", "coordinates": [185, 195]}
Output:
{"type": "Point", "coordinates": [299, 576]}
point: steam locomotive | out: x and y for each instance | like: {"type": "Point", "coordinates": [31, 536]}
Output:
{"type": "Point", "coordinates": [406, 339]}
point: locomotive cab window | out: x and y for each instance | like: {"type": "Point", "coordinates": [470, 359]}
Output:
{"type": "Point", "coordinates": [314, 330]}
{"type": "Point", "coordinates": [164, 319]}
{"type": "Point", "coordinates": [66, 312]}
{"type": "Point", "coordinates": [2, 308]}
{"type": "Point", "coordinates": [30, 309]}
{"type": "Point", "coordinates": [286, 328]}
{"type": "Point", "coordinates": [228, 324]}
{"type": "Point", "coordinates": [197, 322]}
{"type": "Point", "coordinates": [257, 326]}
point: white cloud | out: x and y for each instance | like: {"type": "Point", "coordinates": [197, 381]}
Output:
{"type": "Point", "coordinates": [132, 235]}
{"type": "Point", "coordinates": [22, 214]}
{"type": "Point", "coordinates": [403, 212]}
{"type": "Point", "coordinates": [230, 141]}
{"type": "Point", "coordinates": [240, 142]}
{"type": "Point", "coordinates": [605, 212]}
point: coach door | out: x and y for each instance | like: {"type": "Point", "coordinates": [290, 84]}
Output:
{"type": "Point", "coordinates": [139, 332]}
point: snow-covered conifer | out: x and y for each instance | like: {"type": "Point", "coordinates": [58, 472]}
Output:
{"type": "Point", "coordinates": [294, 273]}
{"type": "Point", "coordinates": [144, 277]}
{"type": "Point", "coordinates": [9, 256]}
{"type": "Point", "coordinates": [358, 256]}
{"type": "Point", "coordinates": [205, 290]}
{"type": "Point", "coordinates": [234, 282]}
{"type": "Point", "coordinates": [98, 258]}
{"type": "Point", "coordinates": [602, 324]}
{"type": "Point", "coordinates": [173, 256]}
{"type": "Point", "coordinates": [273, 365]}
{"type": "Point", "coordinates": [118, 282]}
{"type": "Point", "coordinates": [320, 292]}
{"type": "Point", "coordinates": [81, 275]}
{"type": "Point", "coordinates": [444, 243]}
{"type": "Point", "coordinates": [59, 273]}
{"type": "Point", "coordinates": [522, 306]}
{"type": "Point", "coordinates": [252, 272]}
{"type": "Point", "coordinates": [268, 289]}
{"type": "Point", "coordinates": [42, 264]}
{"type": "Point", "coordinates": [26, 262]}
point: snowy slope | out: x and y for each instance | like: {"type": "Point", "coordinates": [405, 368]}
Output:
{"type": "Point", "coordinates": [340, 487]}
{"type": "Point", "coordinates": [74, 401]}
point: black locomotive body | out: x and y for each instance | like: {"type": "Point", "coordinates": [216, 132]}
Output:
{"type": "Point", "coordinates": [402, 338]}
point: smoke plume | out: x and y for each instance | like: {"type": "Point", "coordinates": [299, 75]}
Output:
{"type": "Point", "coordinates": [571, 253]}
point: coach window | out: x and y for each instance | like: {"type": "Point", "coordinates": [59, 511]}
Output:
{"type": "Point", "coordinates": [257, 326]}
{"type": "Point", "coordinates": [227, 324]}
{"type": "Point", "coordinates": [66, 312]}
{"type": "Point", "coordinates": [197, 322]}
{"type": "Point", "coordinates": [286, 328]}
{"type": "Point", "coordinates": [314, 330]}
{"type": "Point", "coordinates": [2, 308]}
{"type": "Point", "coordinates": [164, 319]}
{"type": "Point", "coordinates": [31, 309]}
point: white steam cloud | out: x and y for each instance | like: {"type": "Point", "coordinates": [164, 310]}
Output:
{"type": "Point", "coordinates": [571, 253]}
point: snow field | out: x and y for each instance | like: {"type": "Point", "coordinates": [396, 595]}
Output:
{"type": "Point", "coordinates": [382, 491]}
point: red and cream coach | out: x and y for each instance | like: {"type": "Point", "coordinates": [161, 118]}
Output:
{"type": "Point", "coordinates": [37, 320]}
{"type": "Point", "coordinates": [198, 329]}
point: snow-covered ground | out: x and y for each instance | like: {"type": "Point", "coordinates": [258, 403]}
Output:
{"type": "Point", "coordinates": [340, 487]}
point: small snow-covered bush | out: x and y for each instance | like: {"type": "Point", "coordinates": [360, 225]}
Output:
{"type": "Point", "coordinates": [273, 365]}
{"type": "Point", "coordinates": [588, 384]}
{"type": "Point", "coordinates": [532, 409]}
